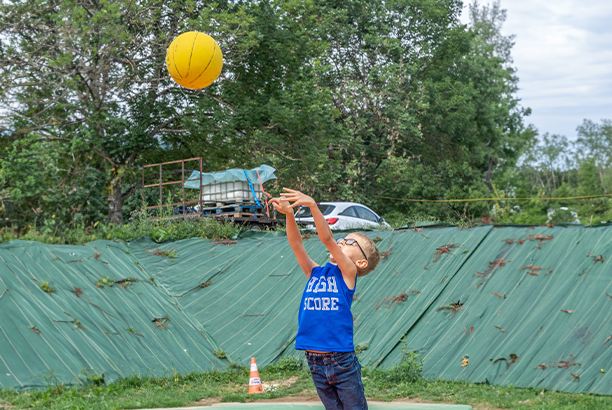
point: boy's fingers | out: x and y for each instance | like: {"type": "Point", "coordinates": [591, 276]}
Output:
{"type": "Point", "coordinates": [277, 203]}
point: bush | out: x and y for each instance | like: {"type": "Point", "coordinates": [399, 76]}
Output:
{"type": "Point", "coordinates": [284, 365]}
{"type": "Point", "coordinates": [409, 369]}
{"type": "Point", "coordinates": [560, 215]}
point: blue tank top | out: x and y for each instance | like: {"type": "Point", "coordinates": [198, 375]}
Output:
{"type": "Point", "coordinates": [325, 319]}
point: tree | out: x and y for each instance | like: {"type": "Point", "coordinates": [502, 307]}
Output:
{"type": "Point", "coordinates": [281, 113]}
{"type": "Point", "coordinates": [547, 155]}
{"type": "Point", "coordinates": [554, 167]}
{"type": "Point", "coordinates": [391, 68]}
{"type": "Point", "coordinates": [595, 141]}
{"type": "Point", "coordinates": [412, 86]}
{"type": "Point", "coordinates": [487, 21]}
{"type": "Point", "coordinates": [91, 75]}
{"type": "Point", "coordinates": [42, 177]}
{"type": "Point", "coordinates": [500, 119]}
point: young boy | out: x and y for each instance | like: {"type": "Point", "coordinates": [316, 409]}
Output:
{"type": "Point", "coordinates": [325, 320]}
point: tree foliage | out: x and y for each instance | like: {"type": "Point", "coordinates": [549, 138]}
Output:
{"type": "Point", "coordinates": [348, 99]}
{"type": "Point", "coordinates": [88, 78]}
{"type": "Point", "coordinates": [555, 167]}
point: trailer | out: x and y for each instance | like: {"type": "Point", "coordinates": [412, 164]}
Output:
{"type": "Point", "coordinates": [235, 195]}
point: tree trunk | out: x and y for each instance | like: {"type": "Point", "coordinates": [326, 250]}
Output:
{"type": "Point", "coordinates": [552, 171]}
{"type": "Point", "coordinates": [541, 181]}
{"type": "Point", "coordinates": [601, 178]}
{"type": "Point", "coordinates": [545, 172]}
{"type": "Point", "coordinates": [115, 199]}
{"type": "Point", "coordinates": [489, 171]}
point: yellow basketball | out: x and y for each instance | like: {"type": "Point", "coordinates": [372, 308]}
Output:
{"type": "Point", "coordinates": [194, 60]}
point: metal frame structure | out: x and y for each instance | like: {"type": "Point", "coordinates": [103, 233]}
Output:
{"type": "Point", "coordinates": [238, 216]}
{"type": "Point", "coordinates": [182, 182]}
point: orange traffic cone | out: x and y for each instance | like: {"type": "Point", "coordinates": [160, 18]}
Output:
{"type": "Point", "coordinates": [254, 380]}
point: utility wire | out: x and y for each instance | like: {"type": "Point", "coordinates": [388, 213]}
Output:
{"type": "Point", "coordinates": [492, 199]}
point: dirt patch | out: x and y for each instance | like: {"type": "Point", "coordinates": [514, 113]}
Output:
{"type": "Point", "coordinates": [4, 405]}
{"type": "Point", "coordinates": [485, 407]}
{"type": "Point", "coordinates": [275, 384]}
{"type": "Point", "coordinates": [304, 396]}
{"type": "Point", "coordinates": [209, 401]}
{"type": "Point", "coordinates": [307, 396]}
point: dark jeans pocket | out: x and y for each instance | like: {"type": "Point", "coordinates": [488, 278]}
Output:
{"type": "Point", "coordinates": [346, 361]}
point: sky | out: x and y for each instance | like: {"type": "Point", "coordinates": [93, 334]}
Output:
{"type": "Point", "coordinates": [563, 53]}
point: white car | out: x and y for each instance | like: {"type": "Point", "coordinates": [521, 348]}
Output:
{"type": "Point", "coordinates": [343, 215]}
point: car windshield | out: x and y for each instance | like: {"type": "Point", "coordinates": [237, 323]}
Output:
{"type": "Point", "coordinates": [304, 212]}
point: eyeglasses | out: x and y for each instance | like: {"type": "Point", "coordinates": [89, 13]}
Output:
{"type": "Point", "coordinates": [351, 242]}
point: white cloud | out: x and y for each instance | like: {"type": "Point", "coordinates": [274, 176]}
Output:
{"type": "Point", "coordinates": [563, 54]}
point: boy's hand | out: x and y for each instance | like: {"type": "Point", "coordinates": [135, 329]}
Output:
{"type": "Point", "coordinates": [297, 198]}
{"type": "Point", "coordinates": [281, 206]}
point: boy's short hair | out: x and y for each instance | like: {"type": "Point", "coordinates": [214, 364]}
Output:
{"type": "Point", "coordinates": [371, 251]}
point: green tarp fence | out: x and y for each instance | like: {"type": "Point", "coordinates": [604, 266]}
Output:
{"type": "Point", "coordinates": [503, 305]}
{"type": "Point", "coordinates": [247, 294]}
{"type": "Point", "coordinates": [539, 314]}
{"type": "Point", "coordinates": [128, 328]}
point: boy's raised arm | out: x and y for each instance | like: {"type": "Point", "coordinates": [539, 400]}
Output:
{"type": "Point", "coordinates": [346, 265]}
{"type": "Point", "coordinates": [294, 236]}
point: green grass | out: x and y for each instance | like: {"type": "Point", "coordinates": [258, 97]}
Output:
{"type": "Point", "coordinates": [174, 390]}
{"type": "Point", "coordinates": [231, 386]}
{"type": "Point", "coordinates": [54, 232]}
{"type": "Point", "coordinates": [483, 396]}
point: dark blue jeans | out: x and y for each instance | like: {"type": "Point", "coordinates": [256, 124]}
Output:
{"type": "Point", "coordinates": [337, 377]}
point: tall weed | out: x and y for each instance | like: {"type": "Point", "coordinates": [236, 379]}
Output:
{"type": "Point", "coordinates": [408, 370]}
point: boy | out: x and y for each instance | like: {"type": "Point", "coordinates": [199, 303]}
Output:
{"type": "Point", "coordinates": [325, 320]}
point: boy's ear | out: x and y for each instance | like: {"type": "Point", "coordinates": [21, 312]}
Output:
{"type": "Point", "coordinates": [361, 264]}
